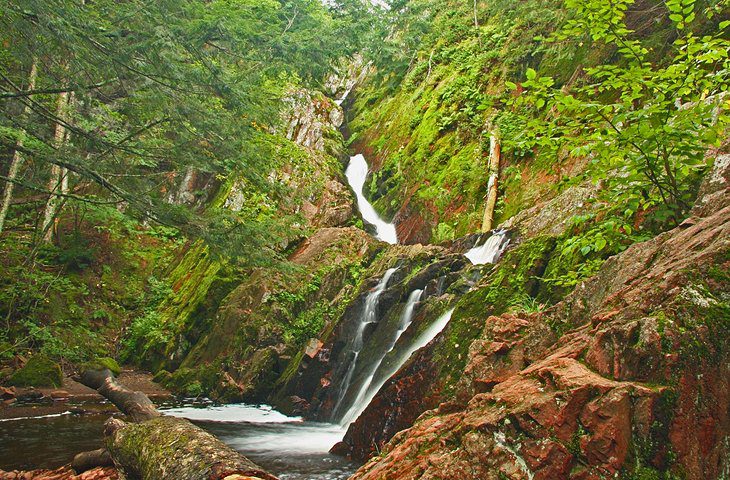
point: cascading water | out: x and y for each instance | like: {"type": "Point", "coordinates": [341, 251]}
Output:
{"type": "Point", "coordinates": [367, 390]}
{"type": "Point", "coordinates": [406, 317]}
{"type": "Point", "coordinates": [356, 173]}
{"type": "Point", "coordinates": [369, 316]}
{"type": "Point", "coordinates": [395, 364]}
{"type": "Point", "coordinates": [489, 251]}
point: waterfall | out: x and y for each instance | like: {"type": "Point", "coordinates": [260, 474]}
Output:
{"type": "Point", "coordinates": [368, 317]}
{"type": "Point", "coordinates": [365, 394]}
{"type": "Point", "coordinates": [407, 316]}
{"type": "Point", "coordinates": [398, 361]}
{"type": "Point", "coordinates": [489, 251]}
{"type": "Point", "coordinates": [356, 173]}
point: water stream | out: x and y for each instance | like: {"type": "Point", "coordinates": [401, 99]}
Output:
{"type": "Point", "coordinates": [356, 173]}
{"type": "Point", "coordinates": [368, 317]}
{"type": "Point", "coordinates": [490, 250]}
{"type": "Point", "coordinates": [286, 446]}
{"type": "Point", "coordinates": [367, 390]}
{"type": "Point", "coordinates": [396, 362]}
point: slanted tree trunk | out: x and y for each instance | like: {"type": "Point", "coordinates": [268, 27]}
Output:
{"type": "Point", "coordinates": [18, 159]}
{"type": "Point", "coordinates": [158, 447]}
{"type": "Point", "coordinates": [494, 166]}
{"type": "Point", "coordinates": [58, 181]}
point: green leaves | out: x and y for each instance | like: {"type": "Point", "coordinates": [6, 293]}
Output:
{"type": "Point", "coordinates": [645, 147]}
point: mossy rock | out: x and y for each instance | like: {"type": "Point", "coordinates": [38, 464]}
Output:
{"type": "Point", "coordinates": [103, 363]}
{"type": "Point", "coordinates": [40, 371]}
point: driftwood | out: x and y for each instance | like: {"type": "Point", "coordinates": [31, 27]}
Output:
{"type": "Point", "coordinates": [158, 447]}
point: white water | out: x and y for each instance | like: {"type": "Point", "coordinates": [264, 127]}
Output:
{"type": "Point", "coordinates": [406, 317]}
{"type": "Point", "coordinates": [365, 394]}
{"type": "Point", "coordinates": [287, 446]}
{"type": "Point", "coordinates": [423, 339]}
{"type": "Point", "coordinates": [368, 317]}
{"type": "Point", "coordinates": [489, 251]}
{"type": "Point", "coordinates": [232, 413]}
{"type": "Point", "coordinates": [356, 173]}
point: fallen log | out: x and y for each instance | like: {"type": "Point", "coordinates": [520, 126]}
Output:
{"type": "Point", "coordinates": [157, 447]}
{"type": "Point", "coordinates": [136, 405]}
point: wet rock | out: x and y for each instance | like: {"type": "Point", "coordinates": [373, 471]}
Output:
{"type": "Point", "coordinates": [59, 395]}
{"type": "Point", "coordinates": [341, 449]}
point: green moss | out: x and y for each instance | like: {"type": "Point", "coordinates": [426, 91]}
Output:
{"type": "Point", "coordinates": [101, 363]}
{"type": "Point", "coordinates": [516, 276]}
{"type": "Point", "coordinates": [39, 371]}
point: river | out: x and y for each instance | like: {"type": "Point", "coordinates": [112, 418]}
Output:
{"type": "Point", "coordinates": [288, 447]}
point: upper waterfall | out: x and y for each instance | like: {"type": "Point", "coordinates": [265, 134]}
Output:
{"type": "Point", "coordinates": [356, 173]}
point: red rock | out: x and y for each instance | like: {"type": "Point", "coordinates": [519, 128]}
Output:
{"type": "Point", "coordinates": [341, 449]}
{"type": "Point", "coordinates": [7, 393]}
{"type": "Point", "coordinates": [59, 395]}
{"type": "Point", "coordinates": [63, 473]}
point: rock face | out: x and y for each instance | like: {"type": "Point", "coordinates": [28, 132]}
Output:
{"type": "Point", "coordinates": [310, 118]}
{"type": "Point", "coordinates": [429, 376]}
{"type": "Point", "coordinates": [638, 383]}
{"type": "Point", "coordinates": [260, 325]}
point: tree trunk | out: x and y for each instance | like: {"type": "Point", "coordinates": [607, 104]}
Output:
{"type": "Point", "coordinates": [161, 447]}
{"type": "Point", "coordinates": [494, 166]}
{"type": "Point", "coordinates": [58, 179]}
{"type": "Point", "coordinates": [90, 460]}
{"type": "Point", "coordinates": [169, 448]}
{"type": "Point", "coordinates": [18, 160]}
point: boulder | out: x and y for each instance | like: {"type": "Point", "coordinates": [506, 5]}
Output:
{"type": "Point", "coordinates": [39, 371]}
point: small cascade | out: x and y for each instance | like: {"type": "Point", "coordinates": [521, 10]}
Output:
{"type": "Point", "coordinates": [344, 96]}
{"type": "Point", "coordinates": [366, 392]}
{"type": "Point", "coordinates": [407, 316]}
{"type": "Point", "coordinates": [356, 173]}
{"type": "Point", "coordinates": [368, 317]}
{"type": "Point", "coordinates": [489, 251]}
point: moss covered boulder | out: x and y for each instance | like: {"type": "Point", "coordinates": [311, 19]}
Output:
{"type": "Point", "coordinates": [40, 371]}
{"type": "Point", "coordinates": [102, 363]}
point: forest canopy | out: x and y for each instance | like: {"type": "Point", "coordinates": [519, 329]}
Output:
{"type": "Point", "coordinates": [108, 102]}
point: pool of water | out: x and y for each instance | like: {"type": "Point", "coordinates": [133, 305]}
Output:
{"type": "Point", "coordinates": [288, 447]}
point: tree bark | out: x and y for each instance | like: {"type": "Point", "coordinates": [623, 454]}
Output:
{"type": "Point", "coordinates": [494, 166]}
{"type": "Point", "coordinates": [18, 160]}
{"type": "Point", "coordinates": [136, 405]}
{"type": "Point", "coordinates": [168, 448]}
{"type": "Point", "coordinates": [58, 180]}
{"type": "Point", "coordinates": [90, 460]}
{"type": "Point", "coordinates": [159, 447]}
